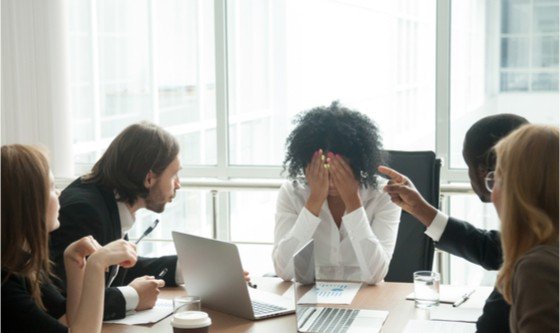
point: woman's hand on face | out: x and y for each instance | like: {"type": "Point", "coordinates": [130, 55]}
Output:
{"type": "Point", "coordinates": [346, 184]}
{"type": "Point", "coordinates": [317, 177]}
{"type": "Point", "coordinates": [119, 252]}
{"type": "Point", "coordinates": [80, 249]}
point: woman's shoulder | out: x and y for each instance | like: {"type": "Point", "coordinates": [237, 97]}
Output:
{"type": "Point", "coordinates": [11, 280]}
{"type": "Point", "coordinates": [294, 186]}
{"type": "Point", "coordinates": [293, 192]}
{"type": "Point", "coordinates": [538, 259]}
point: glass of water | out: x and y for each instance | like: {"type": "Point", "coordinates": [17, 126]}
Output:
{"type": "Point", "coordinates": [426, 289]}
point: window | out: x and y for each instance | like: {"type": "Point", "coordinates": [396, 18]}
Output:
{"type": "Point", "coordinates": [492, 61]}
{"type": "Point", "coordinates": [529, 46]}
{"type": "Point", "coordinates": [226, 77]}
{"type": "Point", "coordinates": [285, 57]}
{"type": "Point", "coordinates": [143, 60]}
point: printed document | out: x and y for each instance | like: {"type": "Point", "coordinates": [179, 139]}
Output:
{"type": "Point", "coordinates": [331, 293]}
{"type": "Point", "coordinates": [162, 309]}
{"type": "Point", "coordinates": [427, 326]}
{"type": "Point", "coordinates": [469, 315]}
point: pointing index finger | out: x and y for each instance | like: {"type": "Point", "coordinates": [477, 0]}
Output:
{"type": "Point", "coordinates": [394, 175]}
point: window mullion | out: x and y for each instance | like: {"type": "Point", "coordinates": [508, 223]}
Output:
{"type": "Point", "coordinates": [222, 219]}
{"type": "Point", "coordinates": [152, 63]}
{"type": "Point", "coordinates": [95, 82]}
{"type": "Point", "coordinates": [443, 79]}
{"type": "Point", "coordinates": [220, 26]}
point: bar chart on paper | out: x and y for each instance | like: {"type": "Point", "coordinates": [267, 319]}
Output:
{"type": "Point", "coordinates": [331, 293]}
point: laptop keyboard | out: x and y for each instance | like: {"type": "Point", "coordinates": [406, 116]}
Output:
{"type": "Point", "coordinates": [333, 320]}
{"type": "Point", "coordinates": [264, 308]}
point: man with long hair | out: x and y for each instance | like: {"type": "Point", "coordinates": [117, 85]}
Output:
{"type": "Point", "coordinates": [139, 169]}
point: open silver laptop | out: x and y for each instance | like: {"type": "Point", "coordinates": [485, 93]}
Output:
{"type": "Point", "coordinates": [212, 270]}
{"type": "Point", "coordinates": [313, 318]}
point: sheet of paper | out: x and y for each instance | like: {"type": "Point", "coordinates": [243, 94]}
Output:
{"type": "Point", "coordinates": [428, 326]}
{"type": "Point", "coordinates": [469, 315]}
{"type": "Point", "coordinates": [162, 309]}
{"type": "Point", "coordinates": [331, 293]}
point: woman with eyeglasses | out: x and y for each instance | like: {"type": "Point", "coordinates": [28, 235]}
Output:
{"type": "Point", "coordinates": [525, 193]}
{"type": "Point", "coordinates": [334, 197]}
{"type": "Point", "coordinates": [30, 302]}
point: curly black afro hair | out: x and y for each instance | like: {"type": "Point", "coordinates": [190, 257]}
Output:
{"type": "Point", "coordinates": [339, 130]}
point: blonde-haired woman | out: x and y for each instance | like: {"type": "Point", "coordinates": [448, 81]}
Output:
{"type": "Point", "coordinates": [525, 193]}
{"type": "Point", "coordinates": [30, 302]}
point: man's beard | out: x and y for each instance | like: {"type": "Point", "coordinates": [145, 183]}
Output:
{"type": "Point", "coordinates": [156, 207]}
{"type": "Point", "coordinates": [155, 202]}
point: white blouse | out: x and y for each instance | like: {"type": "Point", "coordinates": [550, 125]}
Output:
{"type": "Point", "coordinates": [359, 251]}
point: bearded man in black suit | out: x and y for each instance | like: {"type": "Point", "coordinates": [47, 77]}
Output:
{"type": "Point", "coordinates": [139, 169]}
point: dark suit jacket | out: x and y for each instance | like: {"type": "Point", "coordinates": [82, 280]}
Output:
{"type": "Point", "coordinates": [484, 248]}
{"type": "Point", "coordinates": [90, 209]}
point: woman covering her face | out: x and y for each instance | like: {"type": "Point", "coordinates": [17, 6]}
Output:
{"type": "Point", "coordinates": [334, 197]}
{"type": "Point", "coordinates": [525, 193]}
{"type": "Point", "coordinates": [30, 302]}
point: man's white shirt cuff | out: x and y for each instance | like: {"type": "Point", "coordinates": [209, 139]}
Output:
{"type": "Point", "coordinates": [130, 297]}
{"type": "Point", "coordinates": [436, 229]}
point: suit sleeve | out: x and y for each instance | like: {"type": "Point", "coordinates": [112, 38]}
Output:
{"type": "Point", "coordinates": [153, 266]}
{"type": "Point", "coordinates": [495, 314]}
{"type": "Point", "coordinates": [481, 247]}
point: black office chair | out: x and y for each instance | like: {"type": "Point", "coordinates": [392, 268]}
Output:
{"type": "Point", "coordinates": [414, 250]}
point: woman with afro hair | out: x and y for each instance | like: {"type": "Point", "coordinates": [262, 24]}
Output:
{"type": "Point", "coordinates": [335, 198]}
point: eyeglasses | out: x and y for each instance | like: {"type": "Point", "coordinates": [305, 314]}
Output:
{"type": "Point", "coordinates": [490, 181]}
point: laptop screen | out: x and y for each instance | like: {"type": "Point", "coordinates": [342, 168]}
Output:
{"type": "Point", "coordinates": [304, 281]}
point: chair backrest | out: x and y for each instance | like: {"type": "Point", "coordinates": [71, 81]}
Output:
{"type": "Point", "coordinates": [414, 250]}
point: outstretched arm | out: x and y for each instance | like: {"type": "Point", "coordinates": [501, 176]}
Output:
{"type": "Point", "coordinates": [405, 195]}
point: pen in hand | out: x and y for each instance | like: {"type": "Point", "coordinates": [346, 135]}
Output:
{"type": "Point", "coordinates": [114, 270]}
{"type": "Point", "coordinates": [147, 232]}
{"type": "Point", "coordinates": [463, 298]}
{"type": "Point", "coordinates": [254, 286]}
{"type": "Point", "coordinates": [161, 274]}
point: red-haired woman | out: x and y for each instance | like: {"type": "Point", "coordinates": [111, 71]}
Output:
{"type": "Point", "coordinates": [30, 302]}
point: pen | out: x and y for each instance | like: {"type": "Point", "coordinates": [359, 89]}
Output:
{"type": "Point", "coordinates": [463, 298]}
{"type": "Point", "coordinates": [147, 232]}
{"type": "Point", "coordinates": [254, 286]}
{"type": "Point", "coordinates": [114, 271]}
{"type": "Point", "coordinates": [162, 273]}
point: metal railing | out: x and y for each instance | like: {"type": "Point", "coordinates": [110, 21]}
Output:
{"type": "Point", "coordinates": [215, 186]}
